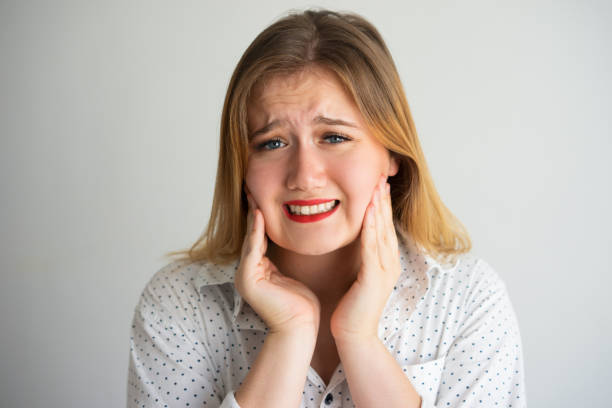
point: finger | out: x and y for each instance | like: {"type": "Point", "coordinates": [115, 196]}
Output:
{"type": "Point", "coordinates": [389, 255]}
{"type": "Point", "coordinates": [390, 224]}
{"type": "Point", "coordinates": [262, 240]}
{"type": "Point", "coordinates": [384, 228]}
{"type": "Point", "coordinates": [263, 247]}
{"type": "Point", "coordinates": [250, 215]}
{"type": "Point", "coordinates": [250, 209]}
{"type": "Point", "coordinates": [369, 250]}
{"type": "Point", "coordinates": [257, 237]}
{"type": "Point", "coordinates": [252, 239]}
{"type": "Point", "coordinates": [252, 206]}
{"type": "Point", "coordinates": [387, 208]}
{"type": "Point", "coordinates": [380, 221]}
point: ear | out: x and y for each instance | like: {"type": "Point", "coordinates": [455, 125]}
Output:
{"type": "Point", "coordinates": [393, 165]}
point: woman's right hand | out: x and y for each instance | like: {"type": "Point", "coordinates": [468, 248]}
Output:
{"type": "Point", "coordinates": [284, 304]}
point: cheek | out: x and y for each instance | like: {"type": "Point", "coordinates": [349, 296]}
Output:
{"type": "Point", "coordinates": [261, 181]}
{"type": "Point", "coordinates": [357, 180]}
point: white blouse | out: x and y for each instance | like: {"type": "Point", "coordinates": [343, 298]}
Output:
{"type": "Point", "coordinates": [451, 328]}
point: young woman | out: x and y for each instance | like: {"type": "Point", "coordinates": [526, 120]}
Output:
{"type": "Point", "coordinates": [330, 273]}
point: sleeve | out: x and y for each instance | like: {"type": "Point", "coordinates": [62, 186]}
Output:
{"type": "Point", "coordinates": [484, 364]}
{"type": "Point", "coordinates": [168, 364]}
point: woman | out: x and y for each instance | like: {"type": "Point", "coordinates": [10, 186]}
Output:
{"type": "Point", "coordinates": [330, 274]}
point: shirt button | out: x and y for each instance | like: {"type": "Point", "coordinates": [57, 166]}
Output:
{"type": "Point", "coordinates": [328, 399]}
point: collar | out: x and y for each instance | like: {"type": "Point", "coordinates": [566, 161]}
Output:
{"type": "Point", "coordinates": [411, 287]}
{"type": "Point", "coordinates": [243, 316]}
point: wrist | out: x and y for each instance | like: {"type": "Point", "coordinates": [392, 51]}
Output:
{"type": "Point", "coordinates": [288, 356]}
{"type": "Point", "coordinates": [354, 340]}
{"type": "Point", "coordinates": [306, 333]}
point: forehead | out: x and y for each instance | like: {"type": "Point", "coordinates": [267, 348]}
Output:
{"type": "Point", "coordinates": [295, 82]}
{"type": "Point", "coordinates": [300, 96]}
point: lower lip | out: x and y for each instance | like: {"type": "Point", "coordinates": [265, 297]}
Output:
{"type": "Point", "coordinates": [309, 218]}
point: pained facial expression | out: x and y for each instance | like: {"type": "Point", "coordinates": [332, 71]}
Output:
{"type": "Point", "coordinates": [309, 145]}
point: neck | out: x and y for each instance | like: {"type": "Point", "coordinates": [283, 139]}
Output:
{"type": "Point", "coordinates": [329, 275]}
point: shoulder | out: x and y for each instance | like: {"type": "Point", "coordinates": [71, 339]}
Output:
{"type": "Point", "coordinates": [456, 290]}
{"type": "Point", "coordinates": [176, 280]}
{"type": "Point", "coordinates": [175, 276]}
{"type": "Point", "coordinates": [183, 288]}
{"type": "Point", "coordinates": [472, 294]}
{"type": "Point", "coordinates": [469, 273]}
{"type": "Point", "coordinates": [428, 279]}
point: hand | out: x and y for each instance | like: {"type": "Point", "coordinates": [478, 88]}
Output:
{"type": "Point", "coordinates": [358, 312]}
{"type": "Point", "coordinates": [283, 303]}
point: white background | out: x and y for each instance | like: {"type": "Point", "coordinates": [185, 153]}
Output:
{"type": "Point", "coordinates": [109, 123]}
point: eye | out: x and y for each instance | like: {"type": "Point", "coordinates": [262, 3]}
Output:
{"type": "Point", "coordinates": [271, 144]}
{"type": "Point", "coordinates": [336, 138]}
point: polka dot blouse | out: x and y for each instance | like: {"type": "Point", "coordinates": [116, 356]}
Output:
{"type": "Point", "coordinates": [451, 328]}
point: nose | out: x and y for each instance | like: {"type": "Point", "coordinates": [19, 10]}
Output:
{"type": "Point", "coordinates": [306, 170]}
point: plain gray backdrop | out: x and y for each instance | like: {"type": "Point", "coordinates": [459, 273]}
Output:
{"type": "Point", "coordinates": [109, 122]}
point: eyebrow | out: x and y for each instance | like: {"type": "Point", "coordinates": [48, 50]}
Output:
{"type": "Point", "coordinates": [319, 119]}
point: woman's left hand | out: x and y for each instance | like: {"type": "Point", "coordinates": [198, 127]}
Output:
{"type": "Point", "coordinates": [358, 312]}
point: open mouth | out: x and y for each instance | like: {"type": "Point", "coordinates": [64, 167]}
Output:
{"type": "Point", "coordinates": [312, 209]}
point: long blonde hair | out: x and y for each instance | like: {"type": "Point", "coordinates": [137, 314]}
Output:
{"type": "Point", "coordinates": [351, 47]}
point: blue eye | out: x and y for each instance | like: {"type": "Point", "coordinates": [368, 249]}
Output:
{"type": "Point", "coordinates": [336, 138]}
{"type": "Point", "coordinates": [271, 144]}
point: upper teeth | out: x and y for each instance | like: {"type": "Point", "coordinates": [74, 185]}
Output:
{"type": "Point", "coordinates": [312, 209]}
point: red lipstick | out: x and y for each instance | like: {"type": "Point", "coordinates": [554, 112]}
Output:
{"type": "Point", "coordinates": [309, 218]}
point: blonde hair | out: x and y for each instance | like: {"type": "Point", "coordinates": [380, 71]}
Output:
{"type": "Point", "coordinates": [353, 49]}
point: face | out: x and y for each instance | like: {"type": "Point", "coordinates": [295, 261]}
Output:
{"type": "Point", "coordinates": [313, 165]}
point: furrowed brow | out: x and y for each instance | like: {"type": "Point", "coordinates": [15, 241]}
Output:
{"type": "Point", "coordinates": [333, 122]}
{"type": "Point", "coordinates": [269, 127]}
{"type": "Point", "coordinates": [319, 119]}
